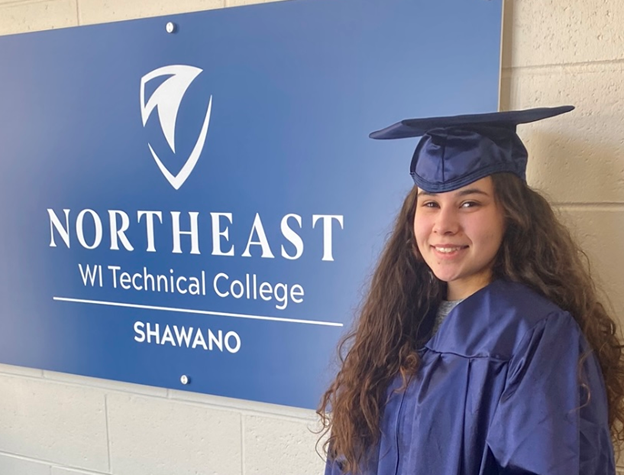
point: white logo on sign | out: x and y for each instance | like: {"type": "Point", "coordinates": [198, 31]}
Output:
{"type": "Point", "coordinates": [167, 98]}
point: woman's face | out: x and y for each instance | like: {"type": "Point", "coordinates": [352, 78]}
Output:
{"type": "Point", "coordinates": [458, 233]}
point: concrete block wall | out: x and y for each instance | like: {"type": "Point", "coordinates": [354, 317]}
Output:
{"type": "Point", "coordinates": [60, 424]}
{"type": "Point", "coordinates": [553, 53]}
{"type": "Point", "coordinates": [572, 52]}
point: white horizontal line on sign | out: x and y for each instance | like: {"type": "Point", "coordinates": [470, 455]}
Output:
{"type": "Point", "coordinates": [200, 312]}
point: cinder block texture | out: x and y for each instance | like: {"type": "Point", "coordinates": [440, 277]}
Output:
{"type": "Point", "coordinates": [600, 231]}
{"type": "Point", "coordinates": [161, 437]}
{"type": "Point", "coordinates": [280, 447]}
{"type": "Point", "coordinates": [53, 422]}
{"type": "Point", "coordinates": [24, 16]}
{"type": "Point", "coordinates": [104, 11]}
{"type": "Point", "coordinates": [10, 465]}
{"type": "Point", "coordinates": [555, 32]}
{"type": "Point", "coordinates": [577, 157]}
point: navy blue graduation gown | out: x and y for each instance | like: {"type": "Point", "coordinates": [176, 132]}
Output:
{"type": "Point", "coordinates": [498, 392]}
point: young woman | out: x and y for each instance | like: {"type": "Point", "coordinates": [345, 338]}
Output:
{"type": "Point", "coordinates": [482, 347]}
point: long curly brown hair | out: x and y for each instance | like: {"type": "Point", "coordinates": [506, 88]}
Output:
{"type": "Point", "coordinates": [396, 316]}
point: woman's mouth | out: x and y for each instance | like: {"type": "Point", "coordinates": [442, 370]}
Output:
{"type": "Point", "coordinates": [448, 249]}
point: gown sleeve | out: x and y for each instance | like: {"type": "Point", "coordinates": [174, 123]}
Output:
{"type": "Point", "coordinates": [552, 418]}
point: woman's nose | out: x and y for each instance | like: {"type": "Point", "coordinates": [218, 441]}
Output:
{"type": "Point", "coordinates": [446, 222]}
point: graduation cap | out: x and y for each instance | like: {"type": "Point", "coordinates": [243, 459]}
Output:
{"type": "Point", "coordinates": [458, 150]}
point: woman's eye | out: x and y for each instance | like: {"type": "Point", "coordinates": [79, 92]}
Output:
{"type": "Point", "coordinates": [430, 204]}
{"type": "Point", "coordinates": [469, 204]}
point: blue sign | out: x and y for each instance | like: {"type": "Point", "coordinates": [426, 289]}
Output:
{"type": "Point", "coordinates": [200, 207]}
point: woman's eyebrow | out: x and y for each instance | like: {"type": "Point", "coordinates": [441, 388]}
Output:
{"type": "Point", "coordinates": [468, 191]}
{"type": "Point", "coordinates": [471, 191]}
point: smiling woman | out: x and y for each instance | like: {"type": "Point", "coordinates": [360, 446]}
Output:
{"type": "Point", "coordinates": [481, 347]}
{"type": "Point", "coordinates": [458, 234]}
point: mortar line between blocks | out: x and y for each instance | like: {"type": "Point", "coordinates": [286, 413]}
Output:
{"type": "Point", "coordinates": [23, 457]}
{"type": "Point", "coordinates": [242, 418]}
{"type": "Point", "coordinates": [245, 408]}
{"type": "Point", "coordinates": [77, 12]}
{"type": "Point", "coordinates": [108, 438]}
{"type": "Point", "coordinates": [572, 206]}
{"type": "Point", "coordinates": [25, 374]}
{"type": "Point", "coordinates": [51, 463]}
{"type": "Point", "coordinates": [24, 2]}
{"type": "Point", "coordinates": [576, 64]}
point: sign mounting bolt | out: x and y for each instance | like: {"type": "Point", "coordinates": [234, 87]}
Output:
{"type": "Point", "coordinates": [184, 379]}
{"type": "Point", "coordinates": [171, 27]}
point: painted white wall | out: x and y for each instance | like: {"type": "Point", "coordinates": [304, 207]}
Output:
{"type": "Point", "coordinates": [554, 52]}
{"type": "Point", "coordinates": [572, 52]}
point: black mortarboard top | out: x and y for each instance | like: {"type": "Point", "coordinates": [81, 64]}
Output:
{"type": "Point", "coordinates": [455, 151]}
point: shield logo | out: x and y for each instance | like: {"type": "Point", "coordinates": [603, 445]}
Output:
{"type": "Point", "coordinates": [166, 99]}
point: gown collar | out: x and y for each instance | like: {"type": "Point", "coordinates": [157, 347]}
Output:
{"type": "Point", "coordinates": [488, 323]}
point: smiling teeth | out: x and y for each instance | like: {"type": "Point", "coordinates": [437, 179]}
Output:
{"type": "Point", "coordinates": [447, 249]}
